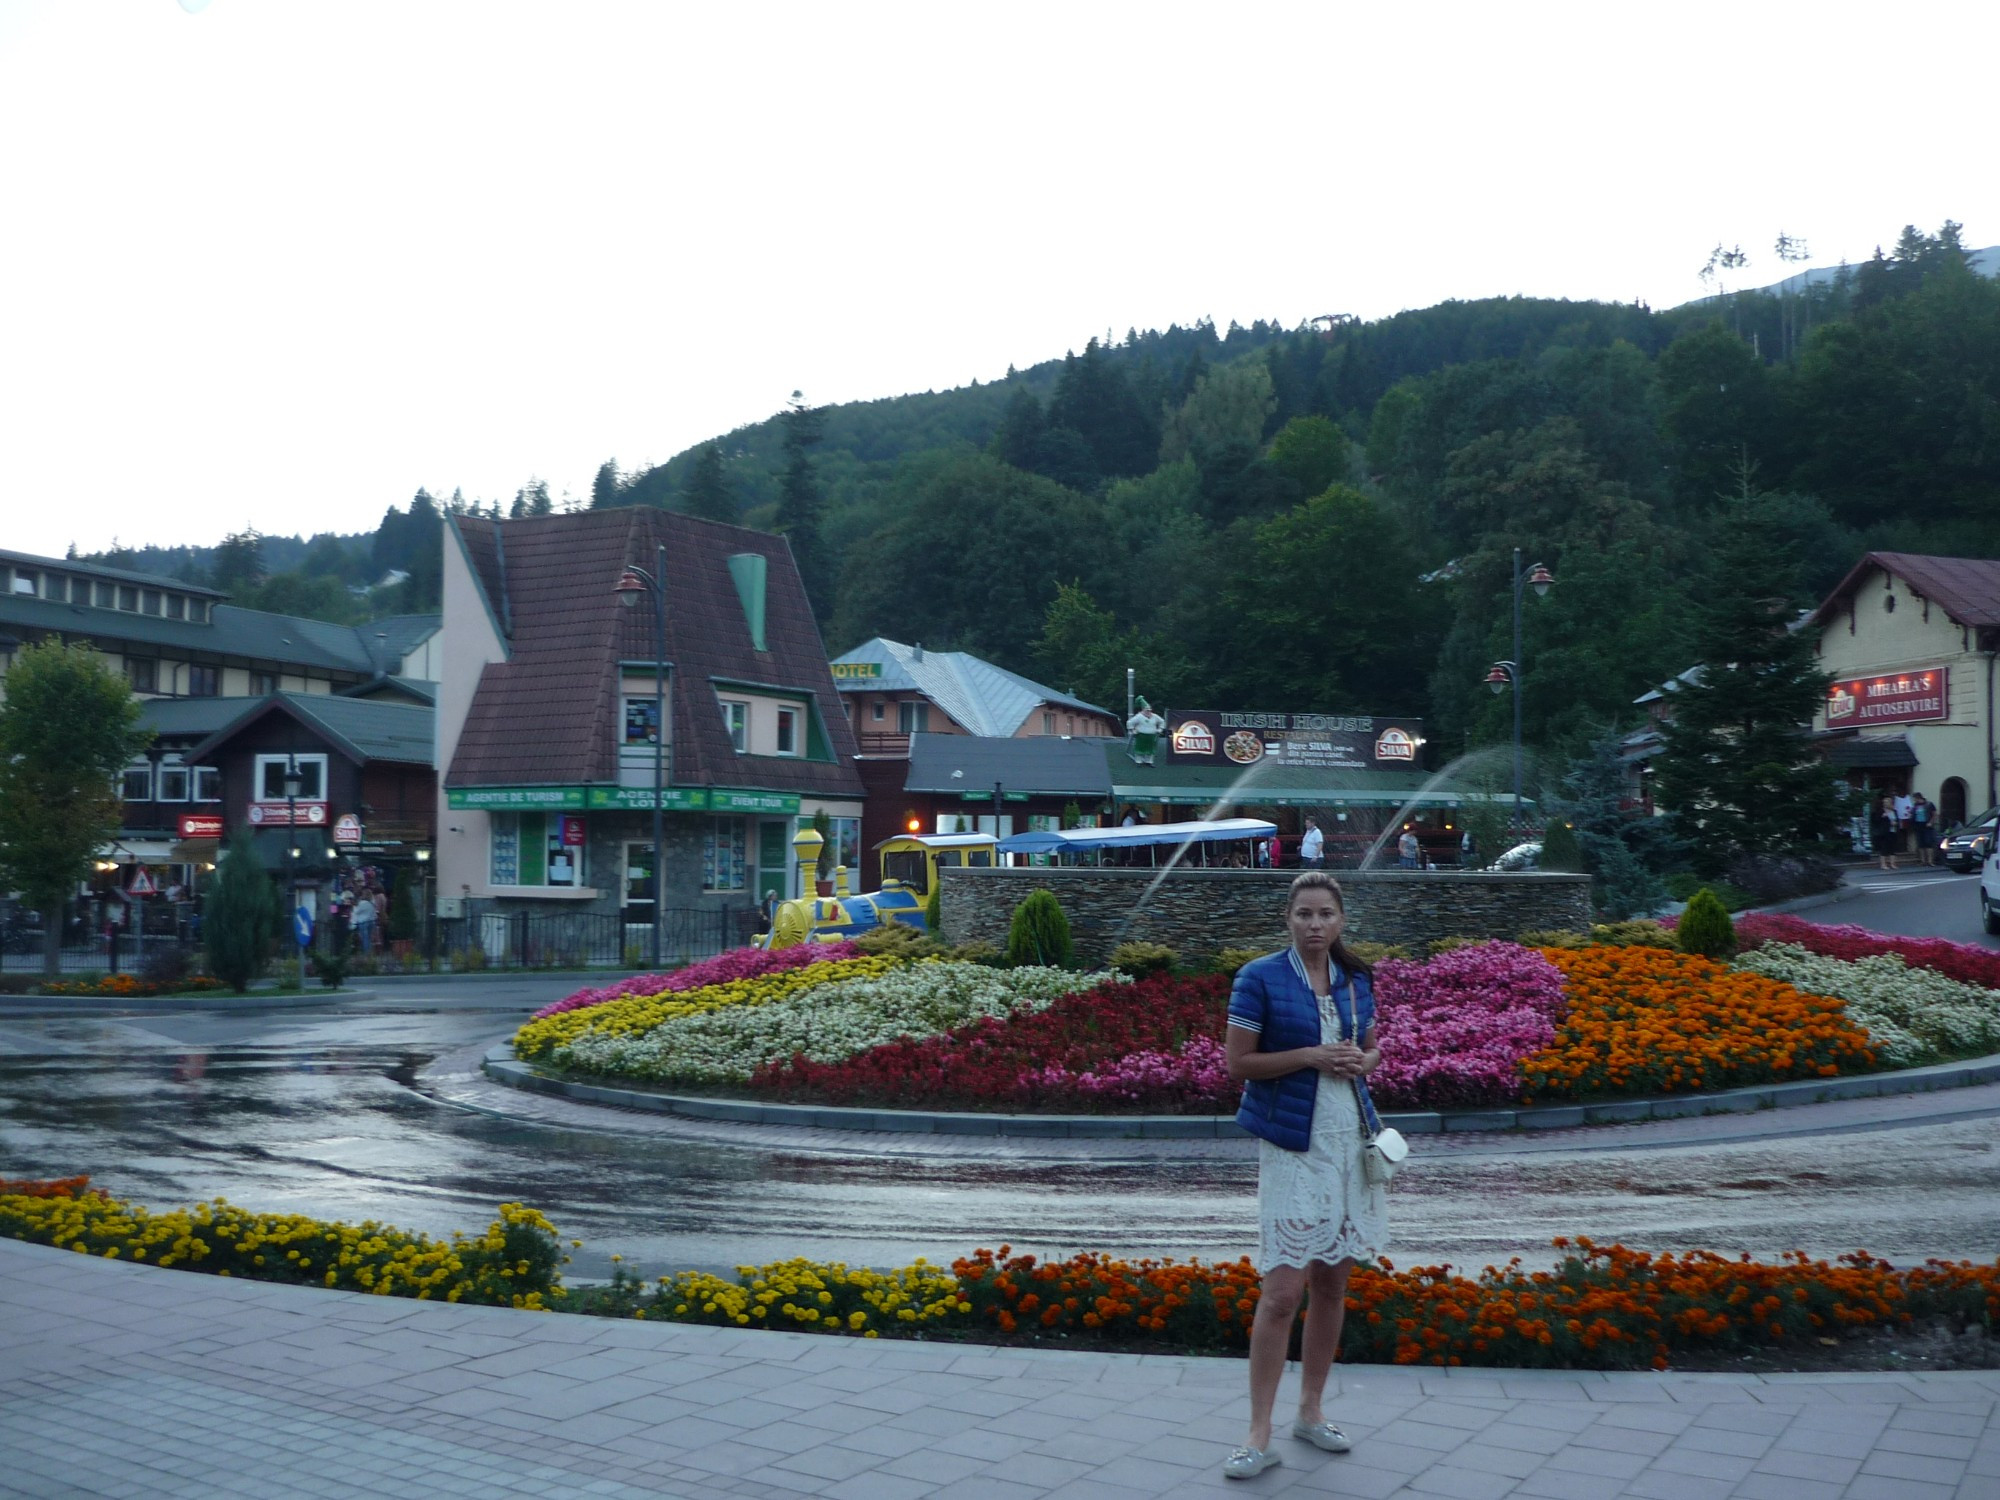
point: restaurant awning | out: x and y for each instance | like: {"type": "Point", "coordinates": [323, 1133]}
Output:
{"type": "Point", "coordinates": [1138, 836]}
{"type": "Point", "coordinates": [1869, 752]}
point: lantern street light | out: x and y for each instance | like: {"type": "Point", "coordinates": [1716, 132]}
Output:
{"type": "Point", "coordinates": [1504, 674]}
{"type": "Point", "coordinates": [636, 581]}
{"type": "Point", "coordinates": [292, 784]}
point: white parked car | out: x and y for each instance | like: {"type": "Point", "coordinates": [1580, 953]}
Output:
{"type": "Point", "coordinates": [1989, 893]}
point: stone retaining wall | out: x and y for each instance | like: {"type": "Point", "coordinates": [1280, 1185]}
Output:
{"type": "Point", "coordinates": [1204, 911]}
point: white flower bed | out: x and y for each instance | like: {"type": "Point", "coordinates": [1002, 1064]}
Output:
{"type": "Point", "coordinates": [827, 1023]}
{"type": "Point", "coordinates": [1912, 1015]}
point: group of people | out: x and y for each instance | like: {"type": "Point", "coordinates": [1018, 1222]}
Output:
{"type": "Point", "coordinates": [1901, 820]}
{"type": "Point", "coordinates": [361, 906]}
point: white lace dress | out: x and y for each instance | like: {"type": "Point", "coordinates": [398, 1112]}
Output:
{"type": "Point", "coordinates": [1318, 1204]}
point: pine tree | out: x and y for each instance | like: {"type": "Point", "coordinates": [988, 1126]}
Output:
{"type": "Point", "coordinates": [1739, 772]}
{"type": "Point", "coordinates": [708, 492]}
{"type": "Point", "coordinates": [604, 488]}
{"type": "Point", "coordinates": [241, 915]}
{"type": "Point", "coordinates": [799, 504]}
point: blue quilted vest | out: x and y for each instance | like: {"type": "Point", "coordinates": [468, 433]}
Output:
{"type": "Point", "coordinates": [1273, 997]}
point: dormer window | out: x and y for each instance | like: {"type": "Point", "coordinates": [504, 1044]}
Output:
{"type": "Point", "coordinates": [788, 731]}
{"type": "Point", "coordinates": [26, 582]}
{"type": "Point", "coordinates": [177, 607]}
{"type": "Point", "coordinates": [736, 719]}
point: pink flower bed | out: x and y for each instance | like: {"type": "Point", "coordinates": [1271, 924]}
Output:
{"type": "Point", "coordinates": [737, 963]}
{"type": "Point", "coordinates": [1453, 1031]}
{"type": "Point", "coordinates": [1197, 1073]}
{"type": "Point", "coordinates": [1960, 961]}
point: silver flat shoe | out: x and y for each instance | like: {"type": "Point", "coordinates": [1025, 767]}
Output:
{"type": "Point", "coordinates": [1322, 1435]}
{"type": "Point", "coordinates": [1248, 1463]}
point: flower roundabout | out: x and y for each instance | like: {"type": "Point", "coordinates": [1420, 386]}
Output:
{"type": "Point", "coordinates": [1621, 1014]}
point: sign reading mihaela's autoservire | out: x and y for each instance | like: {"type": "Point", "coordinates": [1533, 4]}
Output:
{"type": "Point", "coordinates": [1198, 736]}
{"type": "Point", "coordinates": [1892, 698]}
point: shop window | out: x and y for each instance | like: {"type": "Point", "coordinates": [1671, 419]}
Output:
{"type": "Point", "coordinates": [788, 731]}
{"type": "Point", "coordinates": [143, 673]}
{"type": "Point", "coordinates": [541, 849]}
{"type": "Point", "coordinates": [138, 783]}
{"type": "Point", "coordinates": [204, 682]}
{"type": "Point", "coordinates": [173, 785]}
{"type": "Point", "coordinates": [263, 684]}
{"type": "Point", "coordinates": [207, 784]}
{"type": "Point", "coordinates": [736, 718]}
{"type": "Point", "coordinates": [270, 782]}
{"type": "Point", "coordinates": [642, 722]}
{"type": "Point", "coordinates": [912, 718]}
{"type": "Point", "coordinates": [177, 606]}
{"type": "Point", "coordinates": [725, 854]}
{"type": "Point", "coordinates": [845, 836]}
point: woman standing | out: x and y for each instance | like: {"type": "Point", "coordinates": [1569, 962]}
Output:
{"type": "Point", "coordinates": [1302, 1039]}
{"type": "Point", "coordinates": [1883, 831]}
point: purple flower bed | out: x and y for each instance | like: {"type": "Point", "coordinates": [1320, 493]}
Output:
{"type": "Point", "coordinates": [737, 963]}
{"type": "Point", "coordinates": [1453, 1031]}
{"type": "Point", "coordinates": [1198, 1074]}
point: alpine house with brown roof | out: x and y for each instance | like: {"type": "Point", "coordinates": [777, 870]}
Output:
{"type": "Point", "coordinates": [1911, 643]}
{"type": "Point", "coordinates": [545, 718]}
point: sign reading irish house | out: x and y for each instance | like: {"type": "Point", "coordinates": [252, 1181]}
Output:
{"type": "Point", "coordinates": [1322, 741]}
{"type": "Point", "coordinates": [1894, 698]}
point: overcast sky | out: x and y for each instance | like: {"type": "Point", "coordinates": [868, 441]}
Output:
{"type": "Point", "coordinates": [278, 263]}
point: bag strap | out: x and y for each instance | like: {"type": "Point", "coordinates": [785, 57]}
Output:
{"type": "Point", "coordinates": [1350, 1022]}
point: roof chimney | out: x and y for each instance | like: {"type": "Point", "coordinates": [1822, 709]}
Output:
{"type": "Point", "coordinates": [917, 652]}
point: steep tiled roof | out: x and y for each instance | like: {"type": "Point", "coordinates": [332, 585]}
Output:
{"type": "Point", "coordinates": [1966, 588]}
{"type": "Point", "coordinates": [548, 715]}
{"type": "Point", "coordinates": [986, 699]}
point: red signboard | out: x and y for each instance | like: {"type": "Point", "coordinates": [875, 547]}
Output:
{"type": "Point", "coordinates": [201, 826]}
{"type": "Point", "coordinates": [572, 832]}
{"type": "Point", "coordinates": [267, 814]}
{"type": "Point", "coordinates": [1892, 698]}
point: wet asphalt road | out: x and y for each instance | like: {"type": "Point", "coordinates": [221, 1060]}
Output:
{"type": "Point", "coordinates": [318, 1112]}
{"type": "Point", "coordinates": [1911, 902]}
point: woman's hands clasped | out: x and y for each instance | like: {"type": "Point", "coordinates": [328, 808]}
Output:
{"type": "Point", "coordinates": [1337, 1059]}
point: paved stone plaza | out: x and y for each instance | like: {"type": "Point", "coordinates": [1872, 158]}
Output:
{"type": "Point", "coordinates": [126, 1381]}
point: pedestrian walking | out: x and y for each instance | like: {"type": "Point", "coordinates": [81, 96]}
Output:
{"type": "Point", "coordinates": [1882, 831]}
{"type": "Point", "coordinates": [1301, 1038]}
{"type": "Point", "coordinates": [1312, 848]}
{"type": "Point", "coordinates": [362, 920]}
{"type": "Point", "coordinates": [1468, 851]}
{"type": "Point", "coordinates": [1924, 823]}
{"type": "Point", "coordinates": [1408, 850]}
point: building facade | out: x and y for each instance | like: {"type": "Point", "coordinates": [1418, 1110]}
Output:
{"type": "Point", "coordinates": [1910, 642]}
{"type": "Point", "coordinates": [550, 738]}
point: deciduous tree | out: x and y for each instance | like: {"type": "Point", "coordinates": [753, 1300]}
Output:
{"type": "Point", "coordinates": [68, 727]}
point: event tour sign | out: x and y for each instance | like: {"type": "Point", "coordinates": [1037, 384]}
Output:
{"type": "Point", "coordinates": [1347, 742]}
{"type": "Point", "coordinates": [1894, 698]}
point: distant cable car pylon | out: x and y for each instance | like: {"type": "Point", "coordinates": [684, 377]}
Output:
{"type": "Point", "coordinates": [1328, 325]}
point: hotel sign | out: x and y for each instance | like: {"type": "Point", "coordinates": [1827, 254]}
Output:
{"type": "Point", "coordinates": [856, 671]}
{"type": "Point", "coordinates": [1892, 698]}
{"type": "Point", "coordinates": [1308, 741]}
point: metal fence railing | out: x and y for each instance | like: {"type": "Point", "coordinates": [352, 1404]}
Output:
{"type": "Point", "coordinates": [582, 940]}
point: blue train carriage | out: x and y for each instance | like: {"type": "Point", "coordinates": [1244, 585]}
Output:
{"type": "Point", "coordinates": [909, 873]}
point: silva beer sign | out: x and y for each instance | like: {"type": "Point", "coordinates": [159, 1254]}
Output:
{"type": "Point", "coordinates": [1893, 698]}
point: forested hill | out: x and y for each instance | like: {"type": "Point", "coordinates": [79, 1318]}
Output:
{"type": "Point", "coordinates": [1324, 517]}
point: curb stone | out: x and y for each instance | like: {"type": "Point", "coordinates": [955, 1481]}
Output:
{"type": "Point", "coordinates": [25, 1006]}
{"type": "Point", "coordinates": [502, 1067]}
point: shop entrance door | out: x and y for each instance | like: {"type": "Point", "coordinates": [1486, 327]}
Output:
{"type": "Point", "coordinates": [639, 874]}
{"type": "Point", "coordinates": [774, 851]}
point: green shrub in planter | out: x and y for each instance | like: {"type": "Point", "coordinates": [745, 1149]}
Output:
{"type": "Point", "coordinates": [1705, 927]}
{"type": "Point", "coordinates": [1039, 933]}
{"type": "Point", "coordinates": [1634, 933]}
{"type": "Point", "coordinates": [1142, 960]}
{"type": "Point", "coordinates": [1560, 850]}
{"type": "Point", "coordinates": [934, 911]}
{"type": "Point", "coordinates": [241, 918]}
{"type": "Point", "coordinates": [1553, 937]}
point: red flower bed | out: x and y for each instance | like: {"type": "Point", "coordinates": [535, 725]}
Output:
{"type": "Point", "coordinates": [1960, 961]}
{"type": "Point", "coordinates": [990, 1064]}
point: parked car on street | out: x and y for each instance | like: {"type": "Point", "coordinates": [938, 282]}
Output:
{"type": "Point", "coordinates": [1989, 894]}
{"type": "Point", "coordinates": [1965, 849]}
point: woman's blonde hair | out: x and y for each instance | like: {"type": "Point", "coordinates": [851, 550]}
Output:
{"type": "Point", "coordinates": [1319, 880]}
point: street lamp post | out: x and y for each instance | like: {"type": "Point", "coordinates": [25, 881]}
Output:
{"type": "Point", "coordinates": [1502, 674]}
{"type": "Point", "coordinates": [292, 843]}
{"type": "Point", "coordinates": [631, 585]}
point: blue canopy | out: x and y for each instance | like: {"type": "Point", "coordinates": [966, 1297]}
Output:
{"type": "Point", "coordinates": [1138, 836]}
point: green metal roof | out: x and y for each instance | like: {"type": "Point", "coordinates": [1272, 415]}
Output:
{"type": "Point", "coordinates": [363, 729]}
{"type": "Point", "coordinates": [78, 566]}
{"type": "Point", "coordinates": [176, 718]}
{"type": "Point", "coordinates": [249, 634]}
